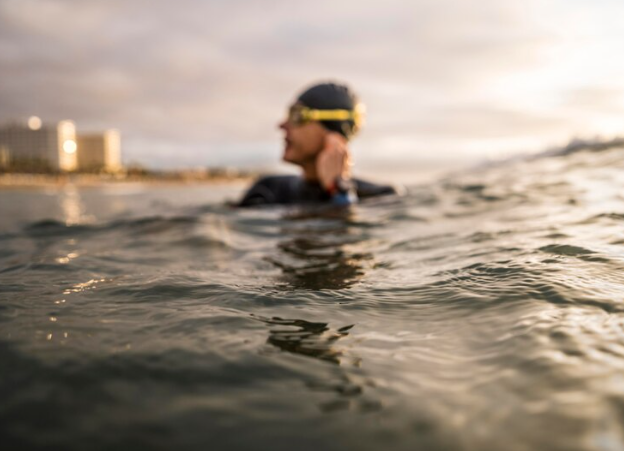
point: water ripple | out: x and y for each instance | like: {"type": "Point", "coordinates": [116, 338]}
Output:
{"type": "Point", "coordinates": [481, 312]}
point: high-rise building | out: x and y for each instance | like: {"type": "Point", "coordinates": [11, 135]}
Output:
{"type": "Point", "coordinates": [99, 151]}
{"type": "Point", "coordinates": [33, 145]}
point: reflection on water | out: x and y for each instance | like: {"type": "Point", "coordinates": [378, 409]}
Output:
{"type": "Point", "coordinates": [309, 339]}
{"type": "Point", "coordinates": [318, 341]}
{"type": "Point", "coordinates": [72, 206]}
{"type": "Point", "coordinates": [321, 251]}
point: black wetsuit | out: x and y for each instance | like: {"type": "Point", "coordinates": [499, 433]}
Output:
{"type": "Point", "coordinates": [292, 189]}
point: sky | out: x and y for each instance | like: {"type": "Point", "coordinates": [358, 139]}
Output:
{"type": "Point", "coordinates": [205, 82]}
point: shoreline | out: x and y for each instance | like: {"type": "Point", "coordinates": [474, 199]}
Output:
{"type": "Point", "coordinates": [17, 181]}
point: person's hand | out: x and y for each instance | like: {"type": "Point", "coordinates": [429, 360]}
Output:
{"type": "Point", "coordinates": [334, 160]}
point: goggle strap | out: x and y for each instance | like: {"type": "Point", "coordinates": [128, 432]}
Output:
{"type": "Point", "coordinates": [357, 115]}
{"type": "Point", "coordinates": [330, 115]}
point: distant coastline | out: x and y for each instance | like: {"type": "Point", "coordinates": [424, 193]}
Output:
{"type": "Point", "coordinates": [10, 180]}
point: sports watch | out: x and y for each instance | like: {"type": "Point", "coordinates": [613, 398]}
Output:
{"type": "Point", "coordinates": [343, 191]}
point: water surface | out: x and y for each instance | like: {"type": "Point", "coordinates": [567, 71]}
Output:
{"type": "Point", "coordinates": [480, 312]}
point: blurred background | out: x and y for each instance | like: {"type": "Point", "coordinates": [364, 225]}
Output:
{"type": "Point", "coordinates": [447, 83]}
{"type": "Point", "coordinates": [478, 311]}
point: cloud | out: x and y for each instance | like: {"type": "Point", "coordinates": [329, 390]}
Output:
{"type": "Point", "coordinates": [595, 98]}
{"type": "Point", "coordinates": [194, 76]}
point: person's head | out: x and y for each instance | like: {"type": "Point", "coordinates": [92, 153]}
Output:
{"type": "Point", "coordinates": [319, 110]}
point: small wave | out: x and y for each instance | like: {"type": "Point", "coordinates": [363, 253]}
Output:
{"type": "Point", "coordinates": [614, 216]}
{"type": "Point", "coordinates": [145, 225]}
{"type": "Point", "coordinates": [53, 228]}
{"type": "Point", "coordinates": [153, 224]}
{"type": "Point", "coordinates": [568, 250]}
{"type": "Point", "coordinates": [201, 242]}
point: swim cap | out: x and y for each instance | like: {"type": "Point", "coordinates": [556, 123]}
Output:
{"type": "Point", "coordinates": [332, 96]}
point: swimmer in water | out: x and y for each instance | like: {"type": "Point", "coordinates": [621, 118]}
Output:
{"type": "Point", "coordinates": [317, 131]}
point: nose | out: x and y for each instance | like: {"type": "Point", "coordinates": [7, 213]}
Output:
{"type": "Point", "coordinates": [283, 125]}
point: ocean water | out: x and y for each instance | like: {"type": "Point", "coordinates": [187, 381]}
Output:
{"type": "Point", "coordinates": [484, 311]}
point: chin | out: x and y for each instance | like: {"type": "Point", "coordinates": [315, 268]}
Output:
{"type": "Point", "coordinates": [287, 157]}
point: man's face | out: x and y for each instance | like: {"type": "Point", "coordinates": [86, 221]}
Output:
{"type": "Point", "coordinates": [302, 143]}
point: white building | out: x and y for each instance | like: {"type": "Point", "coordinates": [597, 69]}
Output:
{"type": "Point", "coordinates": [99, 151]}
{"type": "Point", "coordinates": [32, 145]}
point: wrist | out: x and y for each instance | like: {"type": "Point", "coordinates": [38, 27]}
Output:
{"type": "Point", "coordinates": [342, 191]}
{"type": "Point", "coordinates": [340, 185]}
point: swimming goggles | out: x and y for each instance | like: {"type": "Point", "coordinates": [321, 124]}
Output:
{"type": "Point", "coordinates": [299, 115]}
